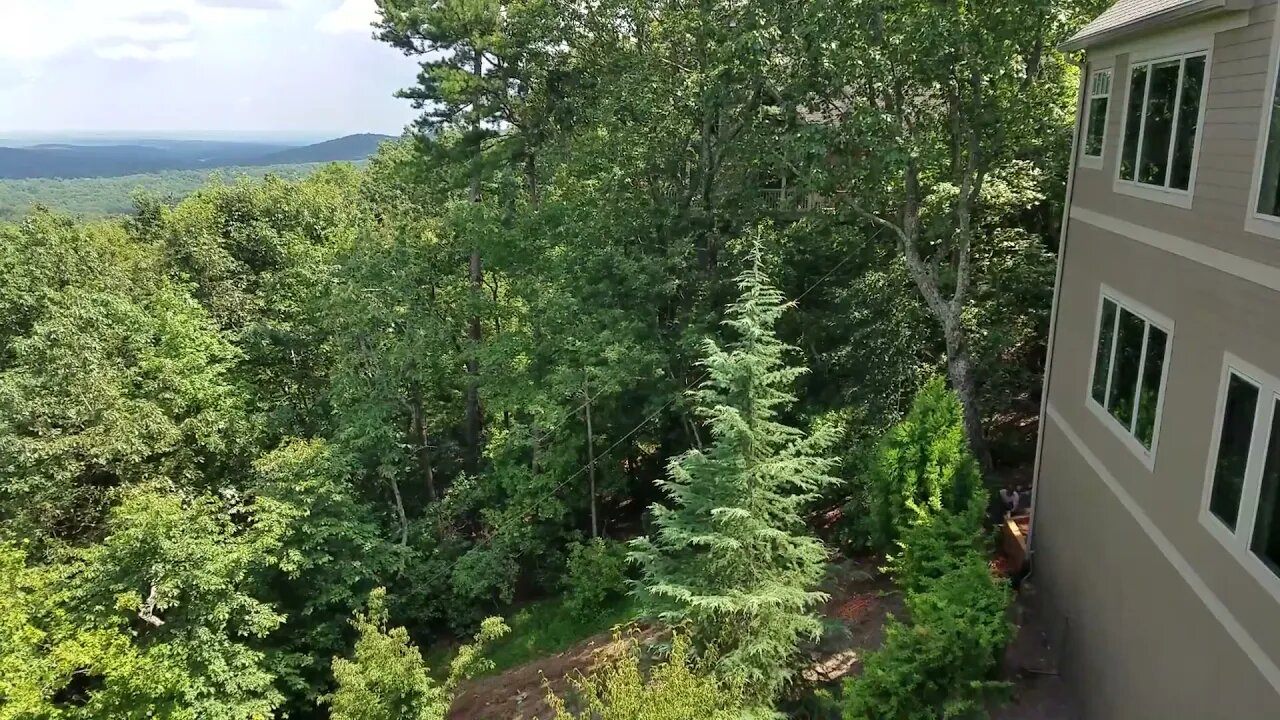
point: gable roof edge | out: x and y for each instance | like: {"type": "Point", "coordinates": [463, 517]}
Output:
{"type": "Point", "coordinates": [1177, 14]}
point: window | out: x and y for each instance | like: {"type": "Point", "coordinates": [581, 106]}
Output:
{"type": "Point", "coordinates": [1128, 371]}
{"type": "Point", "coordinates": [1162, 118]}
{"type": "Point", "coordinates": [1096, 113]}
{"type": "Point", "coordinates": [1234, 438]}
{"type": "Point", "coordinates": [1269, 185]}
{"type": "Point", "coordinates": [1242, 495]}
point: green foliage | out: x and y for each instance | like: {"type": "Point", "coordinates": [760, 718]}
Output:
{"type": "Point", "coordinates": [548, 627]}
{"type": "Point", "coordinates": [922, 467]}
{"type": "Point", "coordinates": [331, 553]}
{"type": "Point", "coordinates": [112, 376]}
{"type": "Point", "coordinates": [386, 678]}
{"type": "Point", "coordinates": [729, 556]}
{"type": "Point", "coordinates": [178, 578]}
{"type": "Point", "coordinates": [934, 545]}
{"type": "Point", "coordinates": [595, 576]}
{"type": "Point", "coordinates": [27, 668]}
{"type": "Point", "coordinates": [228, 416]}
{"type": "Point", "coordinates": [105, 196]}
{"type": "Point", "coordinates": [676, 688]}
{"type": "Point", "coordinates": [940, 665]}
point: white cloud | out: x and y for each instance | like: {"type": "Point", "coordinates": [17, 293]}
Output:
{"type": "Point", "coordinates": [134, 51]}
{"type": "Point", "coordinates": [33, 31]}
{"type": "Point", "coordinates": [351, 16]}
{"type": "Point", "coordinates": [255, 66]}
{"type": "Point", "coordinates": [146, 32]}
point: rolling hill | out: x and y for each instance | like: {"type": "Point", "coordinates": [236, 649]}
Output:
{"type": "Point", "coordinates": [63, 160]}
{"type": "Point", "coordinates": [351, 147]}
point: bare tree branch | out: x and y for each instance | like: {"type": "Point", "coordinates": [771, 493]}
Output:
{"type": "Point", "coordinates": [147, 613]}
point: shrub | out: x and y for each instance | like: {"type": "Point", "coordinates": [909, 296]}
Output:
{"type": "Point", "coordinates": [595, 578]}
{"type": "Point", "coordinates": [675, 689]}
{"type": "Point", "coordinates": [934, 545]}
{"type": "Point", "coordinates": [922, 466]}
{"type": "Point", "coordinates": [387, 679]}
{"type": "Point", "coordinates": [941, 664]}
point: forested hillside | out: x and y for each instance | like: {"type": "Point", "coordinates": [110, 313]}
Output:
{"type": "Point", "coordinates": [100, 197]}
{"type": "Point", "coordinates": [656, 286]}
{"type": "Point", "coordinates": [143, 156]}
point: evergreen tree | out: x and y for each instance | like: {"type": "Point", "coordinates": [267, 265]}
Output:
{"type": "Point", "coordinates": [730, 556]}
{"type": "Point", "coordinates": [922, 467]}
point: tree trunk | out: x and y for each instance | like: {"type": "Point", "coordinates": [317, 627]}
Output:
{"type": "Point", "coordinates": [537, 444]}
{"type": "Point", "coordinates": [960, 371]}
{"type": "Point", "coordinates": [531, 175]}
{"type": "Point", "coordinates": [474, 417]}
{"type": "Point", "coordinates": [404, 519]}
{"type": "Point", "coordinates": [419, 431]}
{"type": "Point", "coordinates": [591, 461]}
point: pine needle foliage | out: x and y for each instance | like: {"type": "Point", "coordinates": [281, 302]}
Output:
{"type": "Point", "coordinates": [922, 467]}
{"type": "Point", "coordinates": [729, 556]}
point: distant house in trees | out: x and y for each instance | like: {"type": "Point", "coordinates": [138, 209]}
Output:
{"type": "Point", "coordinates": [1156, 522]}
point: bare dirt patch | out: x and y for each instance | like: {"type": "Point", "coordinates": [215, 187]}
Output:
{"type": "Point", "coordinates": [521, 692]}
{"type": "Point", "coordinates": [861, 599]}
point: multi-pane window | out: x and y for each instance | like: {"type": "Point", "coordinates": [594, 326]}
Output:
{"type": "Point", "coordinates": [1244, 490]}
{"type": "Point", "coordinates": [1128, 370]}
{"type": "Point", "coordinates": [1162, 118]}
{"type": "Point", "coordinates": [1096, 113]}
{"type": "Point", "coordinates": [1234, 438]}
{"type": "Point", "coordinates": [1269, 187]}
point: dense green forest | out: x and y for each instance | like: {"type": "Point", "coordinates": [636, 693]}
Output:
{"type": "Point", "coordinates": [100, 197]}
{"type": "Point", "coordinates": [654, 286]}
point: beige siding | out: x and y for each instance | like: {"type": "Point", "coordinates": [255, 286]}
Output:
{"type": "Point", "coordinates": [1233, 113]}
{"type": "Point", "coordinates": [1163, 621]}
{"type": "Point", "coordinates": [1141, 643]}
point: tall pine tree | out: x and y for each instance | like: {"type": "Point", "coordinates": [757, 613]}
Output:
{"type": "Point", "coordinates": [730, 556]}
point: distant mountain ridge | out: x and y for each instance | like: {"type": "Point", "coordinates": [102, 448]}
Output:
{"type": "Point", "coordinates": [349, 147]}
{"type": "Point", "coordinates": [58, 160]}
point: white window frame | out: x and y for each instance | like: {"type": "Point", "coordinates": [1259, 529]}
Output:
{"type": "Point", "coordinates": [1151, 317]}
{"type": "Point", "coordinates": [1094, 162]}
{"type": "Point", "coordinates": [1154, 56]}
{"type": "Point", "coordinates": [1237, 542]}
{"type": "Point", "coordinates": [1254, 221]}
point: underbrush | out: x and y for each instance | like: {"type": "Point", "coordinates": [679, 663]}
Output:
{"type": "Point", "coordinates": [541, 629]}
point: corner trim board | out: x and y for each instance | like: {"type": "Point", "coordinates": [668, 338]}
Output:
{"type": "Point", "coordinates": [1266, 666]}
{"type": "Point", "coordinates": [1244, 268]}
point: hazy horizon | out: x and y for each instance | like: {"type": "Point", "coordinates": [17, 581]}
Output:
{"type": "Point", "coordinates": [80, 136]}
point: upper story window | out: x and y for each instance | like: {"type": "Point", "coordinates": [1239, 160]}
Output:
{"type": "Point", "coordinates": [1241, 503]}
{"type": "Point", "coordinates": [1267, 168]}
{"type": "Point", "coordinates": [1162, 121]}
{"type": "Point", "coordinates": [1127, 383]}
{"type": "Point", "coordinates": [1096, 113]}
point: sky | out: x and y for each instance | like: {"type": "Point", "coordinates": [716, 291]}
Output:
{"type": "Point", "coordinates": [214, 67]}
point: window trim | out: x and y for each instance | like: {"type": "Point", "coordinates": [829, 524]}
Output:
{"type": "Point", "coordinates": [1151, 317]}
{"type": "Point", "coordinates": [1254, 221]}
{"type": "Point", "coordinates": [1236, 542]}
{"type": "Point", "coordinates": [1094, 162]}
{"type": "Point", "coordinates": [1155, 193]}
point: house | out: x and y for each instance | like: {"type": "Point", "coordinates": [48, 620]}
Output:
{"type": "Point", "coordinates": [1155, 533]}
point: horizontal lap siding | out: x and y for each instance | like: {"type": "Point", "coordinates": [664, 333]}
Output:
{"type": "Point", "coordinates": [1179, 662]}
{"type": "Point", "coordinates": [1233, 113]}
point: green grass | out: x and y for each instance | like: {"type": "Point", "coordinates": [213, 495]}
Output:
{"type": "Point", "coordinates": [538, 630]}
